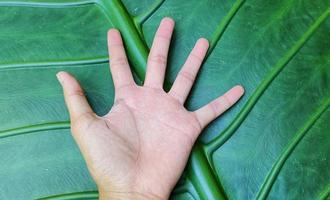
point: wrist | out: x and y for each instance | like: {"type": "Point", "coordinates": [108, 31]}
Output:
{"type": "Point", "coordinates": [127, 195]}
{"type": "Point", "coordinates": [105, 194]}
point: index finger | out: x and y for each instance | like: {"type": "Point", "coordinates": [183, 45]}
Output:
{"type": "Point", "coordinates": [120, 70]}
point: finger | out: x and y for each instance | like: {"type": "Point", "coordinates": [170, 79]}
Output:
{"type": "Point", "coordinates": [120, 70]}
{"type": "Point", "coordinates": [186, 77]}
{"type": "Point", "coordinates": [157, 59]}
{"type": "Point", "coordinates": [211, 111]}
{"type": "Point", "coordinates": [74, 97]}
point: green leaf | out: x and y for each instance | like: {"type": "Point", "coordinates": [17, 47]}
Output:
{"type": "Point", "coordinates": [274, 144]}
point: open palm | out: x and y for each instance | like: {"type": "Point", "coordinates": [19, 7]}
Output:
{"type": "Point", "coordinates": [140, 148]}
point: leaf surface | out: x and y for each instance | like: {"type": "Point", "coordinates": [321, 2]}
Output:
{"type": "Point", "coordinates": [274, 144]}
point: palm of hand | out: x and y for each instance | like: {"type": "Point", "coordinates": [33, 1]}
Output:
{"type": "Point", "coordinates": [142, 145]}
{"type": "Point", "coordinates": [147, 133]}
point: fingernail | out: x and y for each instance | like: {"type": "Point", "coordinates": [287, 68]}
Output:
{"type": "Point", "coordinates": [240, 88]}
{"type": "Point", "coordinates": [169, 21]}
{"type": "Point", "coordinates": [59, 77]}
{"type": "Point", "coordinates": [204, 41]}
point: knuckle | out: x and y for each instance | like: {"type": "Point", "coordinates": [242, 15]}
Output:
{"type": "Point", "coordinates": [198, 122]}
{"type": "Point", "coordinates": [187, 75]}
{"type": "Point", "coordinates": [196, 57]}
{"type": "Point", "coordinates": [158, 58]}
{"type": "Point", "coordinates": [164, 36]}
{"type": "Point", "coordinates": [117, 62]}
{"type": "Point", "coordinates": [214, 108]}
{"type": "Point", "coordinates": [77, 93]}
{"type": "Point", "coordinates": [225, 101]}
{"type": "Point", "coordinates": [177, 96]}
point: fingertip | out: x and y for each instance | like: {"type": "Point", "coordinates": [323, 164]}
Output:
{"type": "Point", "coordinates": [67, 80]}
{"type": "Point", "coordinates": [114, 37]}
{"type": "Point", "coordinates": [202, 44]}
{"type": "Point", "coordinates": [166, 27]}
{"type": "Point", "coordinates": [60, 75]}
{"type": "Point", "coordinates": [113, 31]}
{"type": "Point", "coordinates": [203, 41]}
{"type": "Point", "coordinates": [235, 93]}
{"type": "Point", "coordinates": [240, 89]}
{"type": "Point", "coordinates": [168, 21]}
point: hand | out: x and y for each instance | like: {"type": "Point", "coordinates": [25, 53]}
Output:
{"type": "Point", "coordinates": [140, 148]}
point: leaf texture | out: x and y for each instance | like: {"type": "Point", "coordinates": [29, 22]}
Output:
{"type": "Point", "coordinates": [274, 144]}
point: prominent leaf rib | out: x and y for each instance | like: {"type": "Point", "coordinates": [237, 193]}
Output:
{"type": "Point", "coordinates": [73, 196]}
{"type": "Point", "coordinates": [45, 4]}
{"type": "Point", "coordinates": [205, 178]}
{"type": "Point", "coordinates": [79, 62]}
{"type": "Point", "coordinates": [35, 128]}
{"type": "Point", "coordinates": [222, 138]}
{"type": "Point", "coordinates": [136, 48]}
{"type": "Point", "coordinates": [140, 19]}
{"type": "Point", "coordinates": [272, 175]}
{"type": "Point", "coordinates": [288, 4]}
{"type": "Point", "coordinates": [185, 188]}
{"type": "Point", "coordinates": [223, 25]}
{"type": "Point", "coordinates": [325, 194]}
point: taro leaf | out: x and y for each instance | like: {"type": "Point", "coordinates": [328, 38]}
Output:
{"type": "Point", "coordinates": [274, 144]}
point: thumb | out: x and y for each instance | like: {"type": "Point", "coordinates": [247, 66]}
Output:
{"type": "Point", "coordinates": [74, 97]}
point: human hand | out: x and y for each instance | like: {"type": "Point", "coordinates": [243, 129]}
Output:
{"type": "Point", "coordinates": [140, 148]}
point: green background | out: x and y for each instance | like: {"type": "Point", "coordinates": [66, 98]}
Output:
{"type": "Point", "coordinates": [273, 144]}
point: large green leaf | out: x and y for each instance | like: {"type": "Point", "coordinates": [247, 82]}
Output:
{"type": "Point", "coordinates": [274, 144]}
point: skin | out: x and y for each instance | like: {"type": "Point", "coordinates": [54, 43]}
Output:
{"type": "Point", "coordinates": [140, 148]}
